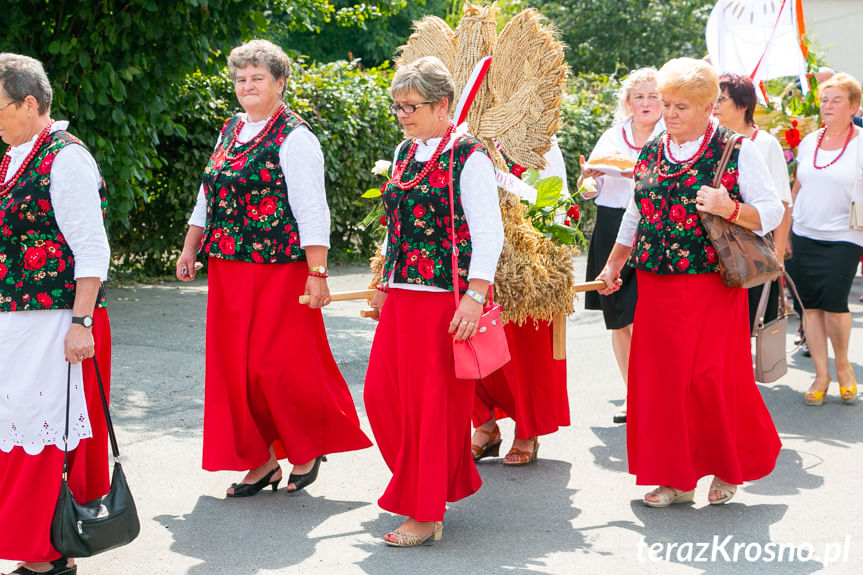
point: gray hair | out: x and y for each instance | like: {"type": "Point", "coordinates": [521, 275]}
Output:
{"type": "Point", "coordinates": [636, 77]}
{"type": "Point", "coordinates": [427, 76]}
{"type": "Point", "coordinates": [260, 53]}
{"type": "Point", "coordinates": [22, 76]}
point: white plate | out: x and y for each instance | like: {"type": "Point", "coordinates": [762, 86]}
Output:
{"type": "Point", "coordinates": [610, 170]}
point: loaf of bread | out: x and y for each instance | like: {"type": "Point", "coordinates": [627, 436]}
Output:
{"type": "Point", "coordinates": [614, 160]}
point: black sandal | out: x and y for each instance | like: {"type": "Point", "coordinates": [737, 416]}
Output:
{"type": "Point", "coordinates": [302, 481]}
{"type": "Point", "coordinates": [249, 489]}
{"type": "Point", "coordinates": [58, 567]}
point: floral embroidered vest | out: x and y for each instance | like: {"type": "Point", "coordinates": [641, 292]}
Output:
{"type": "Point", "coordinates": [670, 238]}
{"type": "Point", "coordinates": [249, 217]}
{"type": "Point", "coordinates": [37, 268]}
{"type": "Point", "coordinates": [419, 234]}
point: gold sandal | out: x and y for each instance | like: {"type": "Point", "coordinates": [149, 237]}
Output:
{"type": "Point", "coordinates": [668, 496]}
{"type": "Point", "coordinates": [491, 448]}
{"type": "Point", "coordinates": [518, 457]}
{"type": "Point", "coordinates": [398, 538]}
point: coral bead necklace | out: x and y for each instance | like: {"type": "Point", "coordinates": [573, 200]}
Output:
{"type": "Point", "coordinates": [754, 133]}
{"type": "Point", "coordinates": [626, 140]}
{"type": "Point", "coordinates": [4, 165]}
{"type": "Point", "coordinates": [257, 139]}
{"type": "Point", "coordinates": [666, 149]}
{"type": "Point", "coordinates": [397, 177]}
{"type": "Point", "coordinates": [818, 145]}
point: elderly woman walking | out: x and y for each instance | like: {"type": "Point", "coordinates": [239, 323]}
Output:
{"type": "Point", "coordinates": [273, 390]}
{"type": "Point", "coordinates": [639, 119]}
{"type": "Point", "coordinates": [53, 258]}
{"type": "Point", "coordinates": [826, 250]}
{"type": "Point", "coordinates": [694, 408]}
{"type": "Point", "coordinates": [420, 414]}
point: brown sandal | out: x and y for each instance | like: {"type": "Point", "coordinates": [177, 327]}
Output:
{"type": "Point", "coordinates": [491, 448]}
{"type": "Point", "coordinates": [518, 457]}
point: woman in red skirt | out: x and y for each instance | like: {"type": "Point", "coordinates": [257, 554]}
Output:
{"type": "Point", "coordinates": [531, 388]}
{"type": "Point", "coordinates": [273, 390]}
{"type": "Point", "coordinates": [54, 256]}
{"type": "Point", "coordinates": [693, 406]}
{"type": "Point", "coordinates": [419, 412]}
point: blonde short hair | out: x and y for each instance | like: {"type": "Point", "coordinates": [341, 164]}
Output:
{"type": "Point", "coordinates": [845, 82]}
{"type": "Point", "coordinates": [695, 80]}
{"type": "Point", "coordinates": [427, 76]}
{"type": "Point", "coordinates": [635, 78]}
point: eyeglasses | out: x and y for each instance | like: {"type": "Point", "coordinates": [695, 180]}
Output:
{"type": "Point", "coordinates": [407, 108]}
{"type": "Point", "coordinates": [6, 105]}
{"type": "Point", "coordinates": [721, 99]}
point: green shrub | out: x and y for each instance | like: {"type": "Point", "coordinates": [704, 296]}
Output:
{"type": "Point", "coordinates": [346, 109]}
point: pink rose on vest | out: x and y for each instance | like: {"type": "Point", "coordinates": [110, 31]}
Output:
{"type": "Point", "coordinates": [463, 232]}
{"type": "Point", "coordinates": [258, 258]}
{"type": "Point", "coordinates": [425, 267]}
{"type": "Point", "coordinates": [419, 211]}
{"type": "Point", "coordinates": [677, 213]}
{"type": "Point", "coordinates": [44, 166]}
{"type": "Point", "coordinates": [61, 265]}
{"type": "Point", "coordinates": [265, 174]}
{"type": "Point", "coordinates": [44, 299]}
{"type": "Point", "coordinates": [683, 264]}
{"type": "Point", "coordinates": [690, 181]}
{"type": "Point", "coordinates": [438, 179]}
{"type": "Point", "coordinates": [711, 254]}
{"type": "Point", "coordinates": [253, 212]}
{"type": "Point", "coordinates": [3, 271]}
{"type": "Point", "coordinates": [35, 258]}
{"type": "Point", "coordinates": [413, 257]}
{"type": "Point", "coordinates": [54, 249]}
{"type": "Point", "coordinates": [268, 205]}
{"type": "Point", "coordinates": [44, 205]}
{"type": "Point", "coordinates": [647, 208]}
{"type": "Point", "coordinates": [729, 179]}
{"type": "Point", "coordinates": [239, 164]}
{"type": "Point", "coordinates": [227, 245]}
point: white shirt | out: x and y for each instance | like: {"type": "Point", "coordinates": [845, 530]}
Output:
{"type": "Point", "coordinates": [615, 191]}
{"type": "Point", "coordinates": [302, 162]}
{"type": "Point", "coordinates": [821, 209]}
{"type": "Point", "coordinates": [481, 209]}
{"type": "Point", "coordinates": [32, 360]}
{"type": "Point", "coordinates": [755, 182]}
{"type": "Point", "coordinates": [774, 157]}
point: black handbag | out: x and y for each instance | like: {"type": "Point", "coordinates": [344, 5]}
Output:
{"type": "Point", "coordinates": [85, 529]}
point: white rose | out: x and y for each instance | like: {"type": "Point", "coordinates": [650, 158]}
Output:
{"type": "Point", "coordinates": [588, 187]}
{"type": "Point", "coordinates": [382, 168]}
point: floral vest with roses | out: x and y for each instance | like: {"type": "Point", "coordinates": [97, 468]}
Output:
{"type": "Point", "coordinates": [419, 247]}
{"type": "Point", "coordinates": [37, 268]}
{"type": "Point", "coordinates": [249, 217]}
{"type": "Point", "coordinates": [670, 238]}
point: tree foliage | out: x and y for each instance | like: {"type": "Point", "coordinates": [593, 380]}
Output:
{"type": "Point", "coordinates": [604, 35]}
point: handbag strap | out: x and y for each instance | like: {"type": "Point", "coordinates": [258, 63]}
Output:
{"type": "Point", "coordinates": [758, 322]}
{"type": "Point", "coordinates": [115, 449]}
{"type": "Point", "coordinates": [723, 160]}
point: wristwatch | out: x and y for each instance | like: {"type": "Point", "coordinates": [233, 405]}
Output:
{"type": "Point", "coordinates": [475, 296]}
{"type": "Point", "coordinates": [85, 320]}
{"type": "Point", "coordinates": [318, 269]}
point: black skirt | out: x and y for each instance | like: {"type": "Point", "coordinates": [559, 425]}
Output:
{"type": "Point", "coordinates": [824, 272]}
{"type": "Point", "coordinates": [618, 309]}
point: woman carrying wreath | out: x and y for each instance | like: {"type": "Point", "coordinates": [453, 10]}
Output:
{"type": "Point", "coordinates": [273, 389]}
{"type": "Point", "coordinates": [54, 256]}
{"type": "Point", "coordinates": [693, 406]}
{"type": "Point", "coordinates": [419, 412]}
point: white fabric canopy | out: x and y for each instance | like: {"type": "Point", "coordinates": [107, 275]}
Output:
{"type": "Point", "coordinates": [740, 32]}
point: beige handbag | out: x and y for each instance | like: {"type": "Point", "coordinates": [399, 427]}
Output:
{"type": "Point", "coordinates": [855, 214]}
{"type": "Point", "coordinates": [770, 338]}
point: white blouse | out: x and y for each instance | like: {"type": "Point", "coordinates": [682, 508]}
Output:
{"type": "Point", "coordinates": [615, 191]}
{"type": "Point", "coordinates": [481, 209]}
{"type": "Point", "coordinates": [32, 358]}
{"type": "Point", "coordinates": [302, 163]}
{"type": "Point", "coordinates": [755, 182]}
{"type": "Point", "coordinates": [774, 157]}
{"type": "Point", "coordinates": [821, 208]}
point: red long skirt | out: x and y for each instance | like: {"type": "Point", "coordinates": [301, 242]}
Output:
{"type": "Point", "coordinates": [531, 388]}
{"type": "Point", "coordinates": [30, 484]}
{"type": "Point", "coordinates": [270, 375]}
{"type": "Point", "coordinates": [419, 412]}
{"type": "Point", "coordinates": [693, 408]}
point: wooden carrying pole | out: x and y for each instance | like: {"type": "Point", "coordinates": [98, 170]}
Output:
{"type": "Point", "coordinates": [343, 296]}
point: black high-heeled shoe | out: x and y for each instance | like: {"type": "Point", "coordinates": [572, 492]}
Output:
{"type": "Point", "coordinates": [249, 489]}
{"type": "Point", "coordinates": [58, 567]}
{"type": "Point", "coordinates": [302, 481]}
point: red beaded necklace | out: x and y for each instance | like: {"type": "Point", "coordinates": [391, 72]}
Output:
{"type": "Point", "coordinates": [754, 134]}
{"type": "Point", "coordinates": [4, 165]}
{"type": "Point", "coordinates": [625, 139]}
{"type": "Point", "coordinates": [818, 145]}
{"type": "Point", "coordinates": [665, 148]}
{"type": "Point", "coordinates": [257, 140]}
{"type": "Point", "coordinates": [397, 177]}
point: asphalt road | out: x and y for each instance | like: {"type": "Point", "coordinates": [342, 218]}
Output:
{"type": "Point", "coordinates": [576, 511]}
